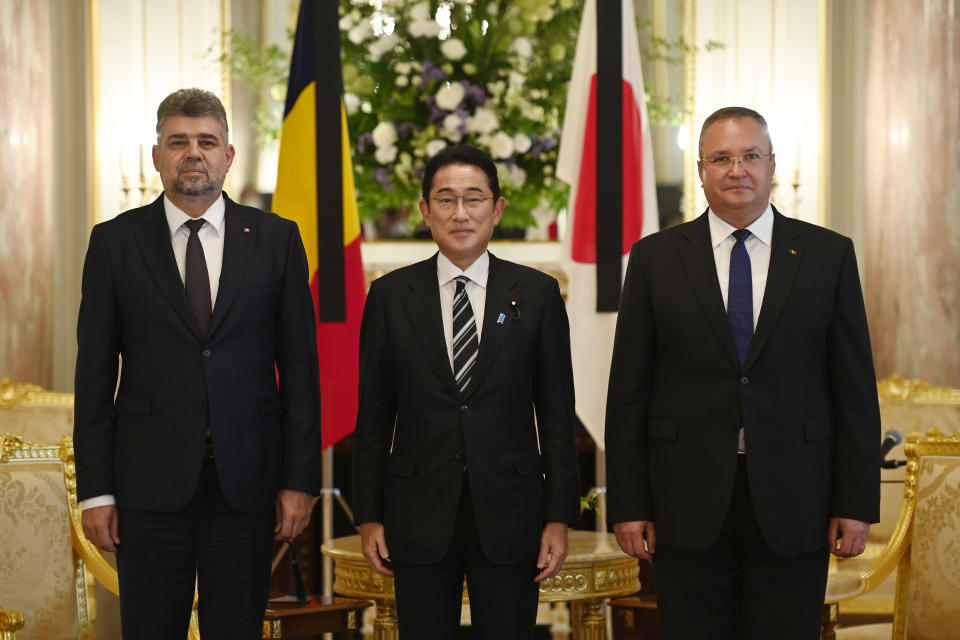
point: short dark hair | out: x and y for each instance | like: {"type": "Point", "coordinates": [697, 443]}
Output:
{"type": "Point", "coordinates": [460, 154]}
{"type": "Point", "coordinates": [193, 103]}
{"type": "Point", "coordinates": [732, 113]}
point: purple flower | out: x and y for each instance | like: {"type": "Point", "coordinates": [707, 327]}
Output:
{"type": "Point", "coordinates": [549, 143]}
{"type": "Point", "coordinates": [380, 175]}
{"type": "Point", "coordinates": [363, 140]}
{"type": "Point", "coordinates": [474, 93]}
{"type": "Point", "coordinates": [404, 129]}
{"type": "Point", "coordinates": [431, 72]}
{"type": "Point", "coordinates": [436, 113]}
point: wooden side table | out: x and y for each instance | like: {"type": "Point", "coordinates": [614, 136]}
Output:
{"type": "Point", "coordinates": [312, 620]}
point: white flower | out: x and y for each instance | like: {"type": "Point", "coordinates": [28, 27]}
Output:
{"type": "Point", "coordinates": [523, 47]}
{"type": "Point", "coordinates": [516, 80]}
{"type": "Point", "coordinates": [482, 121]}
{"type": "Point", "coordinates": [382, 45]}
{"type": "Point", "coordinates": [453, 48]}
{"type": "Point", "coordinates": [385, 155]}
{"type": "Point", "coordinates": [450, 95]}
{"type": "Point", "coordinates": [492, 8]}
{"type": "Point", "coordinates": [420, 12]}
{"type": "Point", "coordinates": [384, 134]}
{"type": "Point", "coordinates": [360, 32]}
{"type": "Point", "coordinates": [451, 127]}
{"type": "Point", "coordinates": [521, 142]}
{"type": "Point", "coordinates": [501, 145]}
{"type": "Point", "coordinates": [402, 67]}
{"type": "Point", "coordinates": [402, 81]}
{"type": "Point", "coordinates": [518, 177]}
{"type": "Point", "coordinates": [352, 102]}
{"type": "Point", "coordinates": [435, 146]}
{"type": "Point", "coordinates": [424, 29]}
{"type": "Point", "coordinates": [346, 22]}
{"type": "Point", "coordinates": [416, 80]}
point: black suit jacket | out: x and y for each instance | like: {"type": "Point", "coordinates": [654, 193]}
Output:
{"type": "Point", "coordinates": [146, 446]}
{"type": "Point", "coordinates": [416, 432]}
{"type": "Point", "coordinates": [806, 395]}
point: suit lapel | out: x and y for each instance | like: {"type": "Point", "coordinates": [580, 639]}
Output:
{"type": "Point", "coordinates": [239, 225]}
{"type": "Point", "coordinates": [696, 253]}
{"type": "Point", "coordinates": [785, 255]}
{"type": "Point", "coordinates": [423, 308]}
{"type": "Point", "coordinates": [500, 292]}
{"type": "Point", "coordinates": [153, 238]}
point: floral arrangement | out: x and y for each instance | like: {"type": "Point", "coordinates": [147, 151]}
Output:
{"type": "Point", "coordinates": [419, 76]}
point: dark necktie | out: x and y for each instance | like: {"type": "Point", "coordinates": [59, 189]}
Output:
{"type": "Point", "coordinates": [196, 279]}
{"type": "Point", "coordinates": [465, 341]}
{"type": "Point", "coordinates": [740, 295]}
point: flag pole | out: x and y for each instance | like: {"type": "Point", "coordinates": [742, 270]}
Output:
{"type": "Point", "coordinates": [600, 484]}
{"type": "Point", "coordinates": [326, 519]}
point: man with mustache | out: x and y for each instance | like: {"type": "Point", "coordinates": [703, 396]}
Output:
{"type": "Point", "coordinates": [210, 447]}
{"type": "Point", "coordinates": [742, 422]}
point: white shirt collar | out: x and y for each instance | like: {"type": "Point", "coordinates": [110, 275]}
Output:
{"type": "Point", "coordinates": [762, 227]}
{"type": "Point", "coordinates": [476, 272]}
{"type": "Point", "coordinates": [213, 215]}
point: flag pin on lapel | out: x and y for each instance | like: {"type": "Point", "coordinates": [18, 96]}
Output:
{"type": "Point", "coordinates": [501, 318]}
{"type": "Point", "coordinates": [793, 252]}
{"type": "Point", "coordinates": [246, 229]}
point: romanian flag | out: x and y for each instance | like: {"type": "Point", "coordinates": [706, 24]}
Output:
{"type": "Point", "coordinates": [315, 189]}
{"type": "Point", "coordinates": [606, 156]}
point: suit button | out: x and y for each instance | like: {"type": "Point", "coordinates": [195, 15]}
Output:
{"type": "Point", "coordinates": [207, 353]}
{"type": "Point", "coordinates": [198, 404]}
{"type": "Point", "coordinates": [464, 408]}
{"type": "Point", "coordinates": [744, 380]}
{"type": "Point", "coordinates": [458, 455]}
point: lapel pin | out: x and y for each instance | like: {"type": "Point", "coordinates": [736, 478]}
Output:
{"type": "Point", "coordinates": [501, 318]}
{"type": "Point", "coordinates": [793, 252]}
{"type": "Point", "coordinates": [246, 229]}
{"type": "Point", "coordinates": [516, 309]}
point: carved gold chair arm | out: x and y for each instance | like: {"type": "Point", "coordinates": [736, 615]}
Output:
{"type": "Point", "coordinates": [10, 623]}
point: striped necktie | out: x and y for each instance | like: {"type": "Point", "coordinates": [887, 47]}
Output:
{"type": "Point", "coordinates": [465, 343]}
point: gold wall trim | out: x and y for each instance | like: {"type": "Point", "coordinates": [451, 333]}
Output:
{"type": "Point", "coordinates": [824, 52]}
{"type": "Point", "coordinates": [689, 106]}
{"type": "Point", "coordinates": [22, 393]}
{"type": "Point", "coordinates": [897, 390]}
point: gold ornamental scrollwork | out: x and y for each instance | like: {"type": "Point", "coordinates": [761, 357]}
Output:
{"type": "Point", "coordinates": [897, 390]}
{"type": "Point", "coordinates": [10, 621]}
{"type": "Point", "coordinates": [15, 393]}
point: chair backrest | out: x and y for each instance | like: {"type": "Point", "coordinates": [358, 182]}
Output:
{"type": "Point", "coordinates": [928, 582]}
{"type": "Point", "coordinates": [33, 413]}
{"type": "Point", "coordinates": [46, 565]}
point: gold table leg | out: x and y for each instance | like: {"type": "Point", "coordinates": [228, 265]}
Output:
{"type": "Point", "coordinates": [587, 621]}
{"type": "Point", "coordinates": [385, 624]}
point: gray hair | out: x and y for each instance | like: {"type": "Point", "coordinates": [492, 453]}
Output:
{"type": "Point", "coordinates": [193, 103]}
{"type": "Point", "coordinates": [732, 113]}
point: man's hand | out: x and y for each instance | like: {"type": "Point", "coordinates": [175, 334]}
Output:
{"type": "Point", "coordinates": [852, 536]}
{"type": "Point", "coordinates": [374, 545]}
{"type": "Point", "coordinates": [553, 550]}
{"type": "Point", "coordinates": [293, 513]}
{"type": "Point", "coordinates": [100, 526]}
{"type": "Point", "coordinates": [637, 538]}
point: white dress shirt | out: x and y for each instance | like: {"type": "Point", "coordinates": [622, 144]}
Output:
{"type": "Point", "coordinates": [476, 287]}
{"type": "Point", "coordinates": [758, 248]}
{"type": "Point", "coordinates": [211, 237]}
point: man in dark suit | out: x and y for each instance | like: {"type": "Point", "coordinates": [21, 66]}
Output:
{"type": "Point", "coordinates": [212, 443]}
{"type": "Point", "coordinates": [742, 419]}
{"type": "Point", "coordinates": [465, 460]}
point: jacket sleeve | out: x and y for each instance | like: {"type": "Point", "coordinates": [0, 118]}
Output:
{"type": "Point", "coordinates": [628, 396]}
{"type": "Point", "coordinates": [299, 377]}
{"type": "Point", "coordinates": [554, 404]}
{"type": "Point", "coordinates": [376, 413]}
{"type": "Point", "coordinates": [853, 385]}
{"type": "Point", "coordinates": [98, 350]}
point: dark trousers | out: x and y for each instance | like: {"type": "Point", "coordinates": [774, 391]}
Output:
{"type": "Point", "coordinates": [226, 553]}
{"type": "Point", "coordinates": [503, 598]}
{"type": "Point", "coordinates": [739, 588]}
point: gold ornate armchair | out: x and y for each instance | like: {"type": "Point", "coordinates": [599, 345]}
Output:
{"type": "Point", "coordinates": [33, 413]}
{"type": "Point", "coordinates": [47, 567]}
{"type": "Point", "coordinates": [924, 549]}
{"type": "Point", "coordinates": [906, 405]}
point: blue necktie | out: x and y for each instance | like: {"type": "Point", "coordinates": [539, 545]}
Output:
{"type": "Point", "coordinates": [740, 295]}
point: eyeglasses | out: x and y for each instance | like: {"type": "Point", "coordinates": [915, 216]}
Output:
{"type": "Point", "coordinates": [448, 204]}
{"type": "Point", "coordinates": [747, 160]}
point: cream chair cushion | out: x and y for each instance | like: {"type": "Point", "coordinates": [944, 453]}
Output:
{"type": "Point", "coordinates": [37, 572]}
{"type": "Point", "coordinates": [33, 413]}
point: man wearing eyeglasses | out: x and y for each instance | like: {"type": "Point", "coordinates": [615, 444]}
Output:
{"type": "Point", "coordinates": [742, 419]}
{"type": "Point", "coordinates": [464, 462]}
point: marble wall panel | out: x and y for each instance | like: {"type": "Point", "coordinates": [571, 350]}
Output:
{"type": "Point", "coordinates": [912, 275]}
{"type": "Point", "coordinates": [26, 183]}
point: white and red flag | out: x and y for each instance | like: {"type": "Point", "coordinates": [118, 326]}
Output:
{"type": "Point", "coordinates": [607, 158]}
